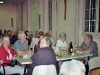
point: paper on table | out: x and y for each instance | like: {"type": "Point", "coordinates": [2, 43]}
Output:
{"type": "Point", "coordinates": [25, 56]}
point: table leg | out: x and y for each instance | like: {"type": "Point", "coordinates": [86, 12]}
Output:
{"type": "Point", "coordinates": [25, 68]}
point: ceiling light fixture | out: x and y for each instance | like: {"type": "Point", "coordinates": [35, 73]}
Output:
{"type": "Point", "coordinates": [1, 1]}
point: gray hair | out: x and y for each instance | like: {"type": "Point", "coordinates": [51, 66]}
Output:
{"type": "Point", "coordinates": [20, 33]}
{"type": "Point", "coordinates": [48, 41]}
{"type": "Point", "coordinates": [5, 36]}
{"type": "Point", "coordinates": [61, 35]}
{"type": "Point", "coordinates": [73, 67]}
{"type": "Point", "coordinates": [89, 36]}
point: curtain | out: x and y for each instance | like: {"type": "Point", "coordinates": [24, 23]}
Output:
{"type": "Point", "coordinates": [79, 21]}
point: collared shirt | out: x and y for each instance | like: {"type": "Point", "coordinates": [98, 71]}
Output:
{"type": "Point", "coordinates": [18, 45]}
{"type": "Point", "coordinates": [60, 44]}
{"type": "Point", "coordinates": [92, 46]}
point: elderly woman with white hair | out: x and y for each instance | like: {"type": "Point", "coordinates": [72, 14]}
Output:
{"type": "Point", "coordinates": [21, 45]}
{"type": "Point", "coordinates": [7, 54]}
{"type": "Point", "coordinates": [61, 44]}
{"type": "Point", "coordinates": [73, 67]}
{"type": "Point", "coordinates": [44, 56]}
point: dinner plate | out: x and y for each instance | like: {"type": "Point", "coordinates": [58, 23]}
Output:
{"type": "Point", "coordinates": [25, 57]}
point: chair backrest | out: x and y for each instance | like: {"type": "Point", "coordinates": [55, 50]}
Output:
{"type": "Point", "coordinates": [94, 66]}
{"type": "Point", "coordinates": [95, 71]}
{"type": "Point", "coordinates": [44, 70]}
{"type": "Point", "coordinates": [94, 63]}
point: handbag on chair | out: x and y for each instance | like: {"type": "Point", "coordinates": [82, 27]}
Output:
{"type": "Point", "coordinates": [12, 63]}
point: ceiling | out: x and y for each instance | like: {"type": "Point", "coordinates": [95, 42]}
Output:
{"type": "Point", "coordinates": [13, 2]}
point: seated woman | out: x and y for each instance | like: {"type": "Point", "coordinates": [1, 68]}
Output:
{"type": "Point", "coordinates": [61, 44]}
{"type": "Point", "coordinates": [36, 40]}
{"type": "Point", "coordinates": [7, 54]}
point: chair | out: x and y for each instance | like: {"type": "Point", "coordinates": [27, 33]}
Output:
{"type": "Point", "coordinates": [44, 70]}
{"type": "Point", "coordinates": [95, 71]}
{"type": "Point", "coordinates": [94, 66]}
{"type": "Point", "coordinates": [3, 70]}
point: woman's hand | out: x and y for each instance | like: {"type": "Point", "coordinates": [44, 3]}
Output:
{"type": "Point", "coordinates": [68, 46]}
{"type": "Point", "coordinates": [1, 62]}
{"type": "Point", "coordinates": [14, 57]}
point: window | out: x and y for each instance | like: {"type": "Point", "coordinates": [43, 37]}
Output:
{"type": "Point", "coordinates": [92, 16]}
{"type": "Point", "coordinates": [50, 14]}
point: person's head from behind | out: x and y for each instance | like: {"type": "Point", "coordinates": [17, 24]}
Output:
{"type": "Point", "coordinates": [21, 36]}
{"type": "Point", "coordinates": [36, 35]}
{"type": "Point", "coordinates": [41, 35]}
{"type": "Point", "coordinates": [73, 67]}
{"type": "Point", "coordinates": [6, 40]}
{"type": "Point", "coordinates": [45, 42]}
{"type": "Point", "coordinates": [62, 36]}
{"type": "Point", "coordinates": [48, 34]}
{"type": "Point", "coordinates": [15, 33]}
{"type": "Point", "coordinates": [88, 38]}
{"type": "Point", "coordinates": [9, 32]}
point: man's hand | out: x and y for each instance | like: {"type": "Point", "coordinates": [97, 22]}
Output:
{"type": "Point", "coordinates": [88, 51]}
{"type": "Point", "coordinates": [75, 44]}
{"type": "Point", "coordinates": [19, 52]}
{"type": "Point", "coordinates": [29, 51]}
{"type": "Point", "coordinates": [24, 51]}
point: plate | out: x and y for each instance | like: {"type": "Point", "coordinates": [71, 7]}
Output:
{"type": "Point", "coordinates": [25, 57]}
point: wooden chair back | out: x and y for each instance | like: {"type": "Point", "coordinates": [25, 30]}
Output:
{"type": "Point", "coordinates": [95, 71]}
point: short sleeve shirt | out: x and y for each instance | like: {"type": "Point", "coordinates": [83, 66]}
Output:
{"type": "Point", "coordinates": [60, 44]}
{"type": "Point", "coordinates": [18, 45]}
{"type": "Point", "coordinates": [92, 46]}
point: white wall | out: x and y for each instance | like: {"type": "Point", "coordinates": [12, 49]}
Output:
{"type": "Point", "coordinates": [68, 25]}
{"type": "Point", "coordinates": [6, 13]}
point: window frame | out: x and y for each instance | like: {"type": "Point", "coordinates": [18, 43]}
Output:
{"type": "Point", "coordinates": [96, 33]}
{"type": "Point", "coordinates": [50, 14]}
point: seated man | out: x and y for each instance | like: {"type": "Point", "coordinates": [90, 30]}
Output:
{"type": "Point", "coordinates": [73, 67]}
{"type": "Point", "coordinates": [88, 46]}
{"type": "Point", "coordinates": [21, 45]}
{"type": "Point", "coordinates": [44, 56]}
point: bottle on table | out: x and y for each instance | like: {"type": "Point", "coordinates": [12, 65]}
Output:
{"type": "Point", "coordinates": [70, 47]}
{"type": "Point", "coordinates": [35, 48]}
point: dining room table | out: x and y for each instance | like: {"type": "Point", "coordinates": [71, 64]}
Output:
{"type": "Point", "coordinates": [64, 55]}
{"type": "Point", "coordinates": [24, 59]}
